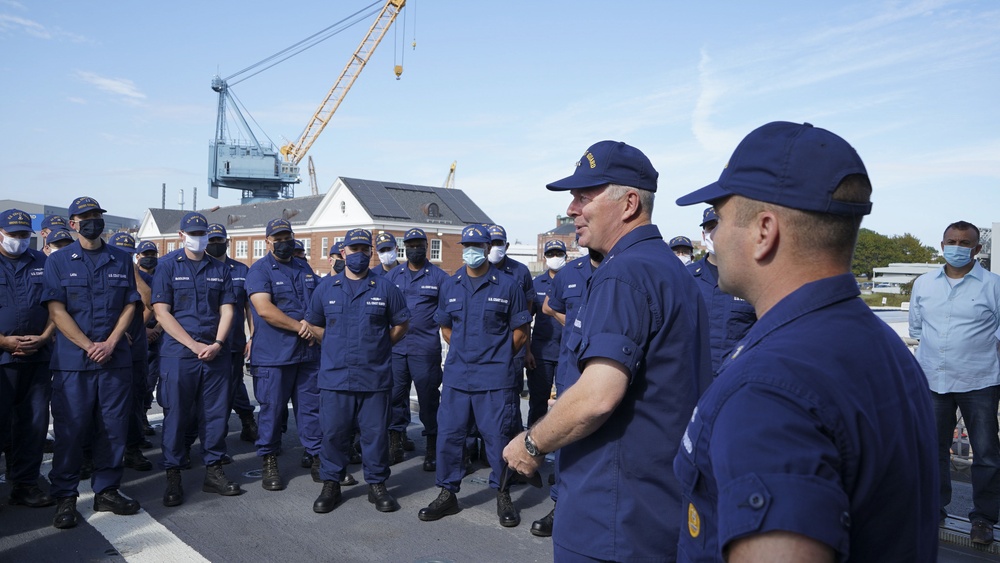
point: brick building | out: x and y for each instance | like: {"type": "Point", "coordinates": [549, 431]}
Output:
{"type": "Point", "coordinates": [564, 231]}
{"type": "Point", "coordinates": [320, 221]}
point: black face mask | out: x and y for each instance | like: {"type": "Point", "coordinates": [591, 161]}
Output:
{"type": "Point", "coordinates": [338, 266]}
{"type": "Point", "coordinates": [283, 249]}
{"type": "Point", "coordinates": [216, 249]}
{"type": "Point", "coordinates": [92, 229]}
{"type": "Point", "coordinates": [148, 262]}
{"type": "Point", "coordinates": [416, 256]}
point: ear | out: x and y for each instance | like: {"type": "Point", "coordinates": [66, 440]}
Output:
{"type": "Point", "coordinates": [631, 206]}
{"type": "Point", "coordinates": [976, 250]}
{"type": "Point", "coordinates": [766, 230]}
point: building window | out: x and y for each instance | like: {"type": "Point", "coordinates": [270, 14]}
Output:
{"type": "Point", "coordinates": [241, 248]}
{"type": "Point", "coordinates": [343, 207]}
{"type": "Point", "coordinates": [171, 246]}
{"type": "Point", "coordinates": [436, 250]}
{"type": "Point", "coordinates": [307, 246]}
{"type": "Point", "coordinates": [258, 249]}
{"type": "Point", "coordinates": [432, 210]}
{"type": "Point", "coordinates": [401, 253]}
{"type": "Point", "coordinates": [324, 245]}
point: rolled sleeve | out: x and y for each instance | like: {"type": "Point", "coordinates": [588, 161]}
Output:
{"type": "Point", "coordinates": [625, 322]}
{"type": "Point", "coordinates": [314, 312]}
{"type": "Point", "coordinates": [775, 466]}
{"type": "Point", "coordinates": [397, 304]}
{"type": "Point", "coordinates": [52, 288]}
{"type": "Point", "coordinates": [162, 290]}
{"type": "Point", "coordinates": [614, 347]}
{"type": "Point", "coordinates": [257, 282]}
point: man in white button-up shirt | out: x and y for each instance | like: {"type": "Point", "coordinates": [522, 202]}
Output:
{"type": "Point", "coordinates": [955, 313]}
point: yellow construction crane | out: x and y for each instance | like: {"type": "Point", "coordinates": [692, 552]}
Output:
{"type": "Point", "coordinates": [449, 182]}
{"type": "Point", "coordinates": [312, 177]}
{"type": "Point", "coordinates": [294, 152]}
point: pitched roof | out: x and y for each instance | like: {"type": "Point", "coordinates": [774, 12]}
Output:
{"type": "Point", "coordinates": [413, 203]}
{"type": "Point", "coordinates": [564, 229]}
{"type": "Point", "coordinates": [249, 216]}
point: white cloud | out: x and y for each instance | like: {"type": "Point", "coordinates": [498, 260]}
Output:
{"type": "Point", "coordinates": [9, 24]}
{"type": "Point", "coordinates": [119, 86]}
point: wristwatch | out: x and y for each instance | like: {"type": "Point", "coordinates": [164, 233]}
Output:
{"type": "Point", "coordinates": [529, 445]}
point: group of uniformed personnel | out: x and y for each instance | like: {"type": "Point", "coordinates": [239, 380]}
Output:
{"type": "Point", "coordinates": [719, 367]}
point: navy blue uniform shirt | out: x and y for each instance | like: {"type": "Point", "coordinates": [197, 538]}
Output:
{"type": "Point", "coordinates": [421, 290]}
{"type": "Point", "coordinates": [546, 332]}
{"type": "Point", "coordinates": [618, 500]}
{"type": "Point", "coordinates": [195, 290]}
{"type": "Point", "coordinates": [290, 286]}
{"type": "Point", "coordinates": [482, 315]}
{"type": "Point", "coordinates": [356, 344]}
{"type": "Point", "coordinates": [729, 317]}
{"type": "Point", "coordinates": [566, 294]}
{"type": "Point", "coordinates": [21, 310]}
{"type": "Point", "coordinates": [522, 277]}
{"type": "Point", "coordinates": [819, 423]}
{"type": "Point", "coordinates": [95, 290]}
{"type": "Point", "coordinates": [238, 273]}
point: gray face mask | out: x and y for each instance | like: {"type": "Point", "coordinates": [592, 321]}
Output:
{"type": "Point", "coordinates": [15, 246]}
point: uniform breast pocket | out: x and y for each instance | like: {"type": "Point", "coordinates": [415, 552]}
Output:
{"type": "Point", "coordinates": [77, 294]}
{"type": "Point", "coordinates": [5, 296]}
{"type": "Point", "coordinates": [497, 319]}
{"type": "Point", "coordinates": [374, 319]}
{"type": "Point", "coordinates": [214, 295]}
{"type": "Point", "coordinates": [454, 310]}
{"type": "Point", "coordinates": [185, 296]}
{"type": "Point", "coordinates": [35, 286]}
{"type": "Point", "coordinates": [332, 312]}
{"type": "Point", "coordinates": [283, 297]}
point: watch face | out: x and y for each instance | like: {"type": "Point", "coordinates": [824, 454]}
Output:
{"type": "Point", "coordinates": [530, 446]}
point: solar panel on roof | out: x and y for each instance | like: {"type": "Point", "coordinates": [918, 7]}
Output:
{"type": "Point", "coordinates": [462, 206]}
{"type": "Point", "coordinates": [377, 199]}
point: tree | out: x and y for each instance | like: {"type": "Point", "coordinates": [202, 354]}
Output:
{"type": "Point", "coordinates": [875, 250]}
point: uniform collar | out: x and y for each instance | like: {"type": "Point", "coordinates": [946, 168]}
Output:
{"type": "Point", "coordinates": [633, 237]}
{"type": "Point", "coordinates": [806, 299]}
{"type": "Point", "coordinates": [976, 271]}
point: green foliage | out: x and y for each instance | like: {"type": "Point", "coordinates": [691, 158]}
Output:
{"type": "Point", "coordinates": [875, 250]}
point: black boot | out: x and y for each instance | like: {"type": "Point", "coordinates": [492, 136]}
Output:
{"type": "Point", "coordinates": [110, 500]}
{"type": "Point", "coordinates": [307, 460]}
{"type": "Point", "coordinates": [147, 430]}
{"type": "Point", "coordinates": [217, 482]}
{"type": "Point", "coordinates": [30, 495]}
{"type": "Point", "coordinates": [135, 460]}
{"type": "Point", "coordinates": [430, 457]}
{"type": "Point", "coordinates": [249, 432]}
{"type": "Point", "coordinates": [174, 495]}
{"type": "Point", "coordinates": [314, 470]}
{"type": "Point", "coordinates": [506, 511]}
{"type": "Point", "coordinates": [444, 505]}
{"type": "Point", "coordinates": [395, 447]}
{"type": "Point", "coordinates": [380, 497]}
{"type": "Point", "coordinates": [328, 497]}
{"type": "Point", "coordinates": [271, 479]}
{"type": "Point", "coordinates": [66, 514]}
{"type": "Point", "coordinates": [408, 444]}
{"type": "Point", "coordinates": [543, 528]}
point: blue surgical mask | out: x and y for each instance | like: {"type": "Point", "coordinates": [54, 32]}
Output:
{"type": "Point", "coordinates": [957, 256]}
{"type": "Point", "coordinates": [473, 256]}
{"type": "Point", "coordinates": [358, 262]}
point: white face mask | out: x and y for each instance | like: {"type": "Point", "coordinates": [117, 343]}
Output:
{"type": "Point", "coordinates": [15, 246]}
{"type": "Point", "coordinates": [555, 263]}
{"type": "Point", "coordinates": [388, 257]}
{"type": "Point", "coordinates": [497, 253]}
{"type": "Point", "coordinates": [684, 258]}
{"type": "Point", "coordinates": [709, 243]}
{"type": "Point", "coordinates": [195, 244]}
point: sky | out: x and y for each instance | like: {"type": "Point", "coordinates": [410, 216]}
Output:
{"type": "Point", "coordinates": [113, 99]}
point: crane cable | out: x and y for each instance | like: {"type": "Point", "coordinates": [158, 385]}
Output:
{"type": "Point", "coordinates": [309, 42]}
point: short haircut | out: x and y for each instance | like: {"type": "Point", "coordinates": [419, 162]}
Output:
{"type": "Point", "coordinates": [615, 192]}
{"type": "Point", "coordinates": [834, 235]}
{"type": "Point", "coordinates": [962, 226]}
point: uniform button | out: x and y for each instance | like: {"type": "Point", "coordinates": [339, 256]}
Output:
{"type": "Point", "coordinates": [626, 349]}
{"type": "Point", "coordinates": [845, 519]}
{"type": "Point", "coordinates": [756, 500]}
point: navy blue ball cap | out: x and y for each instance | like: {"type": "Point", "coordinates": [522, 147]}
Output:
{"type": "Point", "coordinates": [385, 241]}
{"type": "Point", "coordinates": [15, 221]}
{"type": "Point", "coordinates": [677, 242]}
{"type": "Point", "coordinates": [610, 162]}
{"type": "Point", "coordinates": [554, 244]}
{"type": "Point", "coordinates": [789, 164]}
{"type": "Point", "coordinates": [358, 236]}
{"type": "Point", "coordinates": [475, 234]}
{"type": "Point", "coordinates": [216, 230]}
{"type": "Point", "coordinates": [708, 215]}
{"type": "Point", "coordinates": [498, 233]}
{"type": "Point", "coordinates": [146, 246]}
{"type": "Point", "coordinates": [56, 235]}
{"type": "Point", "coordinates": [123, 241]}
{"type": "Point", "coordinates": [275, 226]}
{"type": "Point", "coordinates": [415, 234]}
{"type": "Point", "coordinates": [83, 205]}
{"type": "Point", "coordinates": [193, 222]}
{"type": "Point", "coordinates": [52, 222]}
{"type": "Point", "coordinates": [336, 248]}
{"type": "Point", "coordinates": [299, 245]}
